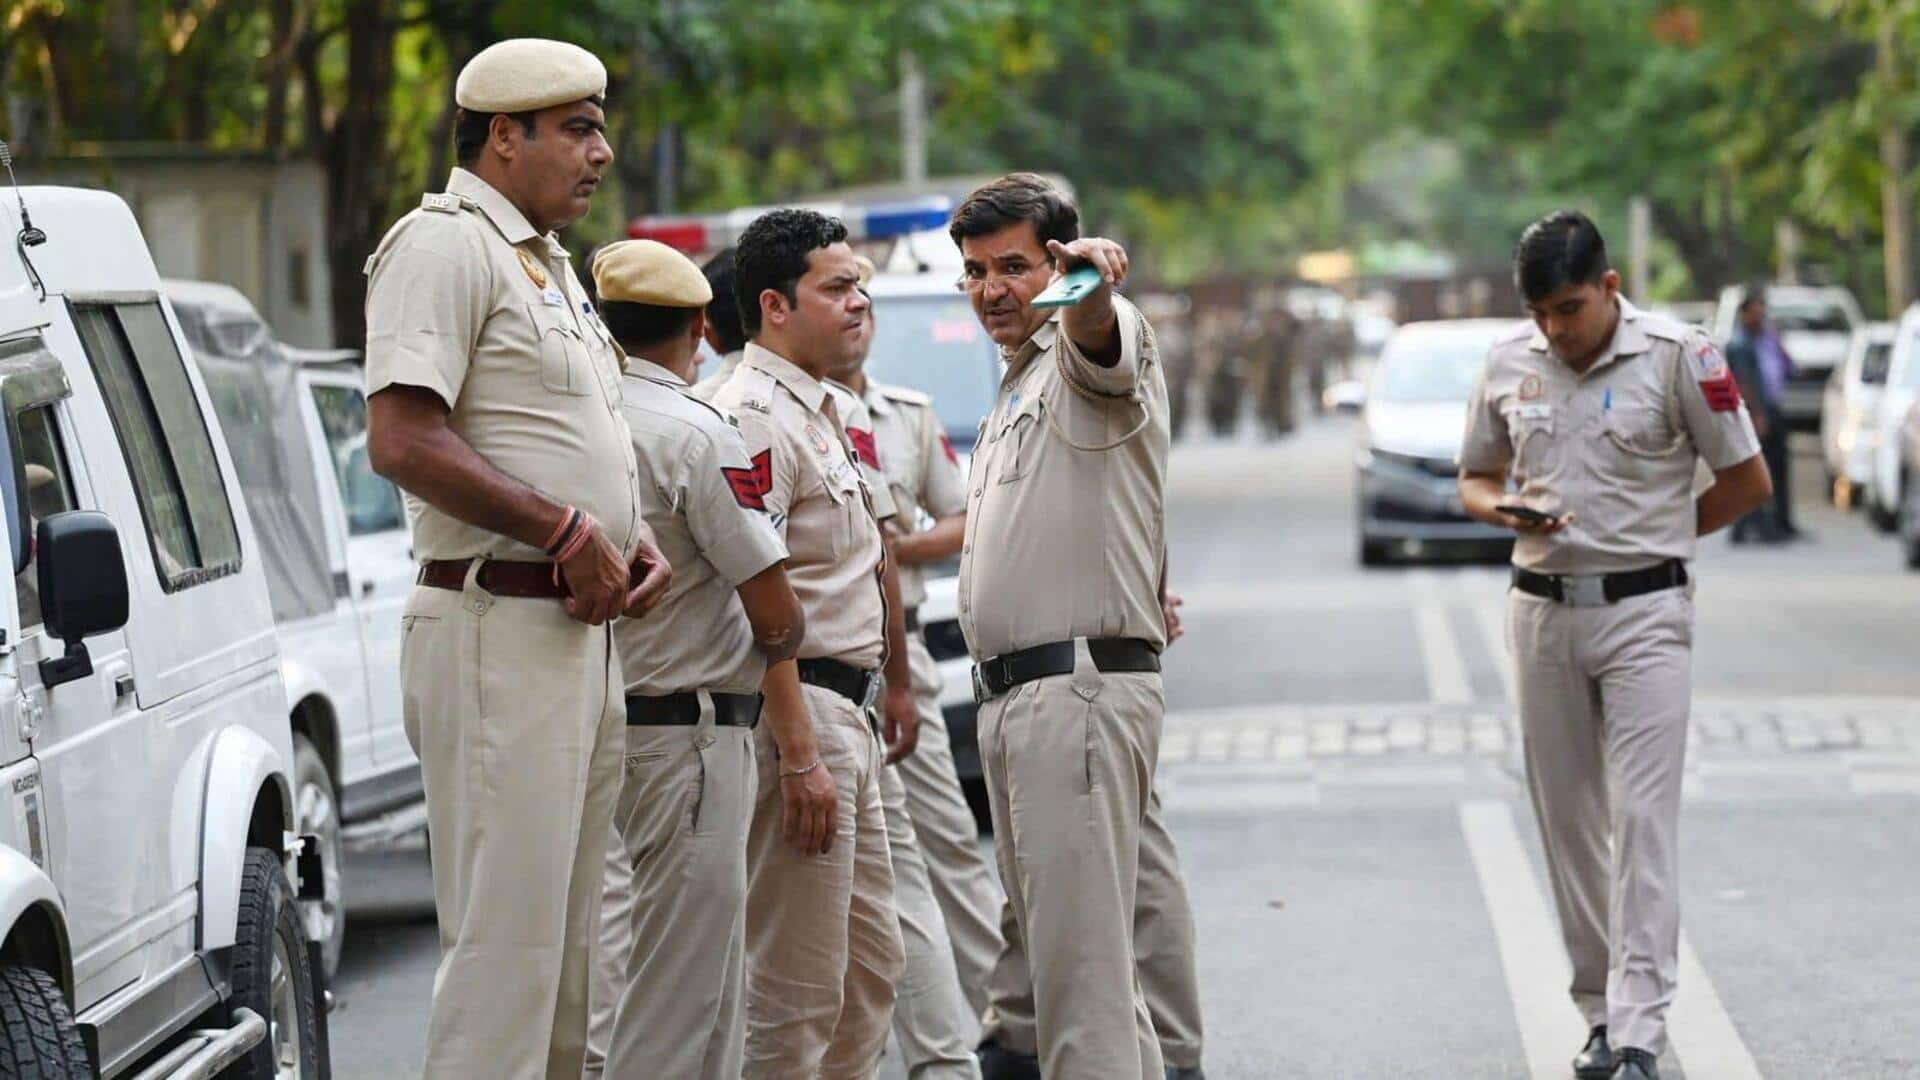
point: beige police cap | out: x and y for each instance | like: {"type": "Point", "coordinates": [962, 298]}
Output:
{"type": "Point", "coordinates": [525, 74]}
{"type": "Point", "coordinates": [649, 272]}
{"type": "Point", "coordinates": [864, 267]}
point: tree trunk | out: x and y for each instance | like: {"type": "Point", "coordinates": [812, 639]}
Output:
{"type": "Point", "coordinates": [278, 71]}
{"type": "Point", "coordinates": [359, 166]}
{"type": "Point", "coordinates": [1713, 256]}
{"type": "Point", "coordinates": [1896, 203]}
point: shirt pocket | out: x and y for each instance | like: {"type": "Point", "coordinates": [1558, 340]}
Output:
{"type": "Point", "coordinates": [841, 488]}
{"type": "Point", "coordinates": [1020, 438]}
{"type": "Point", "coordinates": [1640, 430]}
{"type": "Point", "coordinates": [566, 365]}
{"type": "Point", "coordinates": [1532, 431]}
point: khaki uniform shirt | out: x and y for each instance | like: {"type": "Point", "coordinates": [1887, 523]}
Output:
{"type": "Point", "coordinates": [466, 300]}
{"type": "Point", "coordinates": [1617, 446]}
{"type": "Point", "coordinates": [805, 474]}
{"type": "Point", "coordinates": [1065, 542]}
{"type": "Point", "coordinates": [699, 494]}
{"type": "Point", "coordinates": [722, 371]}
{"type": "Point", "coordinates": [920, 466]}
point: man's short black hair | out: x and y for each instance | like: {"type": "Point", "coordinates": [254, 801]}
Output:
{"type": "Point", "coordinates": [772, 254]}
{"type": "Point", "coordinates": [1564, 248]}
{"type": "Point", "coordinates": [1755, 294]}
{"type": "Point", "coordinates": [723, 312]}
{"type": "Point", "coordinates": [470, 133]}
{"type": "Point", "coordinates": [1017, 197]}
{"type": "Point", "coordinates": [643, 326]}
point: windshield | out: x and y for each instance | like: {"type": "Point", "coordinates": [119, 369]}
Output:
{"type": "Point", "coordinates": [1820, 318]}
{"type": "Point", "coordinates": [1423, 369]}
{"type": "Point", "coordinates": [935, 345]}
{"type": "Point", "coordinates": [1873, 366]}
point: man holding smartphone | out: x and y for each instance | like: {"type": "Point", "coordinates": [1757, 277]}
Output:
{"type": "Point", "coordinates": [1601, 412]}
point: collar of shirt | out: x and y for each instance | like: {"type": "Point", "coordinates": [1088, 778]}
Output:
{"type": "Point", "coordinates": [1628, 340]}
{"type": "Point", "coordinates": [811, 391]}
{"type": "Point", "coordinates": [1043, 339]}
{"type": "Point", "coordinates": [506, 217]}
{"type": "Point", "coordinates": [876, 402]}
{"type": "Point", "coordinates": [652, 372]}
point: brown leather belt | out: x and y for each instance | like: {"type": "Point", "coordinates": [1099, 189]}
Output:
{"type": "Point", "coordinates": [501, 578]}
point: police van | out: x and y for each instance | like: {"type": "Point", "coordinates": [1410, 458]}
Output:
{"type": "Point", "coordinates": [926, 338]}
{"type": "Point", "coordinates": [150, 866]}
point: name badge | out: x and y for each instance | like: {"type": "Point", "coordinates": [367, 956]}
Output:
{"type": "Point", "coordinates": [1534, 412]}
{"type": "Point", "coordinates": [553, 298]}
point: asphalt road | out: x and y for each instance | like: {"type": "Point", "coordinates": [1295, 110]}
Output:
{"type": "Point", "coordinates": [1340, 771]}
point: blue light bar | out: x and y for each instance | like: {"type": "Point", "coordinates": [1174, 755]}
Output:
{"type": "Point", "coordinates": [899, 219]}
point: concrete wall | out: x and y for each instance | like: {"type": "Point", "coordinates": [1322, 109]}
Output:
{"type": "Point", "coordinates": [256, 224]}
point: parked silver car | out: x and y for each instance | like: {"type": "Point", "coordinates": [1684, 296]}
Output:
{"type": "Point", "coordinates": [1909, 518]}
{"type": "Point", "coordinates": [1849, 413]}
{"type": "Point", "coordinates": [1408, 457]}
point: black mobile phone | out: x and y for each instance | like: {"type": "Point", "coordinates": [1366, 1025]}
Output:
{"type": "Point", "coordinates": [1525, 513]}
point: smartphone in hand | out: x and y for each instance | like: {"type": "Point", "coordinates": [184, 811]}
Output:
{"type": "Point", "coordinates": [1069, 289]}
{"type": "Point", "coordinates": [1526, 513]}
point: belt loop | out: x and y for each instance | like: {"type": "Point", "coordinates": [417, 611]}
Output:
{"type": "Point", "coordinates": [1085, 677]}
{"type": "Point", "coordinates": [703, 731]}
{"type": "Point", "coordinates": [474, 598]}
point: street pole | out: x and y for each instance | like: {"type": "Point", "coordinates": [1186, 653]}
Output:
{"type": "Point", "coordinates": [913, 119]}
{"type": "Point", "coordinates": [1639, 240]}
{"type": "Point", "coordinates": [1896, 207]}
{"type": "Point", "coordinates": [1786, 252]}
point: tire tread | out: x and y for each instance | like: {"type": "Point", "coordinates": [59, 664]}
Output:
{"type": "Point", "coordinates": [38, 1038]}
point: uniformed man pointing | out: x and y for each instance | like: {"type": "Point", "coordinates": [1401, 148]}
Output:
{"type": "Point", "coordinates": [1600, 412]}
{"type": "Point", "coordinates": [494, 403]}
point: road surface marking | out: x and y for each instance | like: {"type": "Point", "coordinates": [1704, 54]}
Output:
{"type": "Point", "coordinates": [1446, 671]}
{"type": "Point", "coordinates": [1531, 954]}
{"type": "Point", "coordinates": [1703, 1034]}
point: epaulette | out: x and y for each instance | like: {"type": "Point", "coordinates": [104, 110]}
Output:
{"type": "Point", "coordinates": [444, 202]}
{"type": "Point", "coordinates": [687, 393]}
{"type": "Point", "coordinates": [904, 395]}
{"type": "Point", "coordinates": [1666, 329]}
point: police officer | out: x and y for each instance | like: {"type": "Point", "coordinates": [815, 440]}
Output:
{"type": "Point", "coordinates": [725, 336]}
{"type": "Point", "coordinates": [494, 402]}
{"type": "Point", "coordinates": [1601, 412]}
{"type": "Point", "coordinates": [823, 939]}
{"type": "Point", "coordinates": [1059, 601]}
{"type": "Point", "coordinates": [673, 942]}
{"type": "Point", "coordinates": [932, 839]}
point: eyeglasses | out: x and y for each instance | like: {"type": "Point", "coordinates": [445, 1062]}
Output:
{"type": "Point", "coordinates": [972, 280]}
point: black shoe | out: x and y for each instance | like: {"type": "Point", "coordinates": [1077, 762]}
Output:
{"type": "Point", "coordinates": [1185, 1074]}
{"type": "Point", "coordinates": [1596, 1060]}
{"type": "Point", "coordinates": [999, 1063]}
{"type": "Point", "coordinates": [1636, 1064]}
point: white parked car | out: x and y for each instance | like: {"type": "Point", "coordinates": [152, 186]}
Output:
{"type": "Point", "coordinates": [928, 339]}
{"type": "Point", "coordinates": [1407, 463]}
{"type": "Point", "coordinates": [149, 858]}
{"type": "Point", "coordinates": [1908, 524]}
{"type": "Point", "coordinates": [1897, 397]}
{"type": "Point", "coordinates": [1849, 410]}
{"type": "Point", "coordinates": [339, 567]}
{"type": "Point", "coordinates": [1816, 325]}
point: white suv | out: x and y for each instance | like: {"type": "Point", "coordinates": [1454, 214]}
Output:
{"type": "Point", "coordinates": [148, 850]}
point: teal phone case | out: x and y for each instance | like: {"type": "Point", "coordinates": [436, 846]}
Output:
{"type": "Point", "coordinates": [1072, 288]}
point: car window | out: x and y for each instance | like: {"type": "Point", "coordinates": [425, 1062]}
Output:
{"type": "Point", "coordinates": [372, 502]}
{"type": "Point", "coordinates": [164, 438]}
{"type": "Point", "coordinates": [49, 492]}
{"type": "Point", "coordinates": [1427, 369]}
{"type": "Point", "coordinates": [1822, 318]}
{"type": "Point", "coordinates": [937, 346]}
{"type": "Point", "coordinates": [1873, 365]}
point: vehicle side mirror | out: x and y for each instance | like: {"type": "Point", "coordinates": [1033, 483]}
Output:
{"type": "Point", "coordinates": [1347, 397]}
{"type": "Point", "coordinates": [83, 588]}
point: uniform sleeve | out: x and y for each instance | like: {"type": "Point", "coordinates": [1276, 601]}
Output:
{"type": "Point", "coordinates": [725, 508]}
{"type": "Point", "coordinates": [774, 475]}
{"type": "Point", "coordinates": [1135, 341]}
{"type": "Point", "coordinates": [1485, 447]}
{"type": "Point", "coordinates": [427, 298]}
{"type": "Point", "coordinates": [945, 490]}
{"type": "Point", "coordinates": [1711, 406]}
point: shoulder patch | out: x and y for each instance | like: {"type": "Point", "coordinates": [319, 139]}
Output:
{"type": "Point", "coordinates": [752, 485]}
{"type": "Point", "coordinates": [442, 201]}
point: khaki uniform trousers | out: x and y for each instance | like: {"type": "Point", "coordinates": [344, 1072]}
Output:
{"type": "Point", "coordinates": [1604, 697]}
{"type": "Point", "coordinates": [515, 711]}
{"type": "Point", "coordinates": [1163, 952]}
{"type": "Point", "coordinates": [823, 939]}
{"type": "Point", "coordinates": [963, 881]}
{"type": "Point", "coordinates": [669, 979]}
{"type": "Point", "coordinates": [935, 1027]}
{"type": "Point", "coordinates": [1069, 763]}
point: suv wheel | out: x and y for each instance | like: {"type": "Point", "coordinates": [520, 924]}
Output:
{"type": "Point", "coordinates": [271, 976]}
{"type": "Point", "coordinates": [317, 813]}
{"type": "Point", "coordinates": [38, 1037]}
